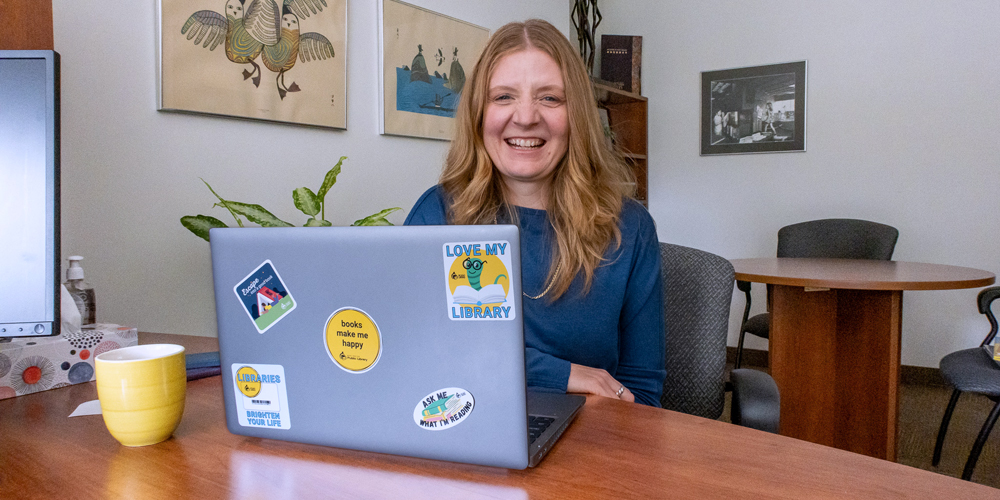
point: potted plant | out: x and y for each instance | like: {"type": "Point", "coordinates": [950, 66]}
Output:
{"type": "Point", "coordinates": [310, 203]}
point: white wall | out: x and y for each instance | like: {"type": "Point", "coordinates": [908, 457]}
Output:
{"type": "Point", "coordinates": [130, 173]}
{"type": "Point", "coordinates": [901, 100]}
{"type": "Point", "coordinates": [900, 107]}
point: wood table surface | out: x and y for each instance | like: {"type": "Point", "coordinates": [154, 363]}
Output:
{"type": "Point", "coordinates": [834, 347]}
{"type": "Point", "coordinates": [860, 274]}
{"type": "Point", "coordinates": [613, 450]}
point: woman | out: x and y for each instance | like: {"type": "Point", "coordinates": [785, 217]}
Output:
{"type": "Point", "coordinates": [769, 119]}
{"type": "Point", "coordinates": [529, 150]}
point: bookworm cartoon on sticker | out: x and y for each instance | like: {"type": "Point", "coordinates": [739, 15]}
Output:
{"type": "Point", "coordinates": [478, 280]}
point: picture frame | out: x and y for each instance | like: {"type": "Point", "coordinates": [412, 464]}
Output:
{"type": "Point", "coordinates": [214, 60]}
{"type": "Point", "coordinates": [424, 60]}
{"type": "Point", "coordinates": [757, 109]}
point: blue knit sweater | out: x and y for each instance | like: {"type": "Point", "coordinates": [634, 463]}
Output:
{"type": "Point", "coordinates": [617, 325]}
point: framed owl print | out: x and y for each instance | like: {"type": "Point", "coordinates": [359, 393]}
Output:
{"type": "Point", "coordinates": [275, 60]}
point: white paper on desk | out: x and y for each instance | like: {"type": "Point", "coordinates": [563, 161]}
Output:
{"type": "Point", "coordinates": [88, 408]}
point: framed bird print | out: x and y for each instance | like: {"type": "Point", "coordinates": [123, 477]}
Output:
{"type": "Point", "coordinates": [275, 60]}
{"type": "Point", "coordinates": [424, 59]}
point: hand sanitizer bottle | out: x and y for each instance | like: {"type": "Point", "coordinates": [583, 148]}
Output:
{"type": "Point", "coordinates": [82, 292]}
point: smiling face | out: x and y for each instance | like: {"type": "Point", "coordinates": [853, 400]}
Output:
{"type": "Point", "coordinates": [234, 9]}
{"type": "Point", "coordinates": [526, 124]}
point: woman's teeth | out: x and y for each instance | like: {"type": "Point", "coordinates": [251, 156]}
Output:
{"type": "Point", "coordinates": [525, 143]}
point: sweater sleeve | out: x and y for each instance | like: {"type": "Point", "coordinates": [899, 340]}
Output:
{"type": "Point", "coordinates": [545, 371]}
{"type": "Point", "coordinates": [642, 335]}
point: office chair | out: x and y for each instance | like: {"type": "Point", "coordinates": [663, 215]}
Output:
{"type": "Point", "coordinates": [973, 370]}
{"type": "Point", "coordinates": [697, 293]}
{"type": "Point", "coordinates": [825, 238]}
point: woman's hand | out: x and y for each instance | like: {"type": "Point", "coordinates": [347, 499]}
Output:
{"type": "Point", "coordinates": [587, 380]}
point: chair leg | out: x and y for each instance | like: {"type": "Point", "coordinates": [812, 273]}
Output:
{"type": "Point", "coordinates": [739, 349]}
{"type": "Point", "coordinates": [944, 427]}
{"type": "Point", "coordinates": [977, 448]}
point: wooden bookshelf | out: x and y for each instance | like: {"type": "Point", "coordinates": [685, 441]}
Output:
{"type": "Point", "coordinates": [627, 117]}
{"type": "Point", "coordinates": [26, 25]}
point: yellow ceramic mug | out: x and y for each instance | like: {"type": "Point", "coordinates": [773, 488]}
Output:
{"type": "Point", "coordinates": [142, 391]}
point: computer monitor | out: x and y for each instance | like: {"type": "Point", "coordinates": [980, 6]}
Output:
{"type": "Point", "coordinates": [29, 193]}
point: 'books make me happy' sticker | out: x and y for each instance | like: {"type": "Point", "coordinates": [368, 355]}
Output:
{"type": "Point", "coordinates": [478, 281]}
{"type": "Point", "coordinates": [264, 296]}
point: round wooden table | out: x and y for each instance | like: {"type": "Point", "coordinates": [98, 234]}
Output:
{"type": "Point", "coordinates": [834, 342]}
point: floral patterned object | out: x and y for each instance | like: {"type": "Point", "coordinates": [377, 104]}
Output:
{"type": "Point", "coordinates": [34, 364]}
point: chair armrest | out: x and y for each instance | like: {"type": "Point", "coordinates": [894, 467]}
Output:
{"type": "Point", "coordinates": [756, 402]}
{"type": "Point", "coordinates": [744, 286]}
{"type": "Point", "coordinates": [986, 298]}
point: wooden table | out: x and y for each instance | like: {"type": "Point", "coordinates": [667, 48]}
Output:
{"type": "Point", "coordinates": [834, 342]}
{"type": "Point", "coordinates": [613, 450]}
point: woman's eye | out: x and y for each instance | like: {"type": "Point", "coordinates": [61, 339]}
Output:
{"type": "Point", "coordinates": [503, 97]}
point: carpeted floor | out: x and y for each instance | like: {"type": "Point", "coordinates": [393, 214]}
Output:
{"type": "Point", "coordinates": [921, 406]}
{"type": "Point", "coordinates": [920, 410]}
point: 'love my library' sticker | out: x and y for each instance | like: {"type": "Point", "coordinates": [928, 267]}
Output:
{"type": "Point", "coordinates": [477, 277]}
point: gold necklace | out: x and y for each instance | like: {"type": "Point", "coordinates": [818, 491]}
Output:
{"type": "Point", "coordinates": [552, 280]}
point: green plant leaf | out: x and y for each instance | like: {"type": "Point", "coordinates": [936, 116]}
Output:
{"type": "Point", "coordinates": [376, 219]}
{"type": "Point", "coordinates": [224, 203]}
{"type": "Point", "coordinates": [372, 222]}
{"type": "Point", "coordinates": [200, 224]}
{"type": "Point", "coordinates": [330, 179]}
{"type": "Point", "coordinates": [306, 201]}
{"type": "Point", "coordinates": [314, 222]}
{"type": "Point", "coordinates": [255, 213]}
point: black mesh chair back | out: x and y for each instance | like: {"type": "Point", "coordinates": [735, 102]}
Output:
{"type": "Point", "coordinates": [838, 239]}
{"type": "Point", "coordinates": [824, 238]}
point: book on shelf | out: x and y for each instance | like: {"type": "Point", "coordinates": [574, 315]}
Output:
{"type": "Point", "coordinates": [621, 61]}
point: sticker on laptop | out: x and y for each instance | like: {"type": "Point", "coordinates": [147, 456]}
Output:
{"type": "Point", "coordinates": [264, 296]}
{"type": "Point", "coordinates": [443, 409]}
{"type": "Point", "coordinates": [352, 340]}
{"type": "Point", "coordinates": [261, 398]}
{"type": "Point", "coordinates": [478, 281]}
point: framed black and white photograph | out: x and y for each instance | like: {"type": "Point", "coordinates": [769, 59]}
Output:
{"type": "Point", "coordinates": [758, 109]}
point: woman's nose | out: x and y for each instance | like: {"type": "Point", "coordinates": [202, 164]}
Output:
{"type": "Point", "coordinates": [526, 113]}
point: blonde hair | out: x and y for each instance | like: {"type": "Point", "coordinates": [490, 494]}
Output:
{"type": "Point", "coordinates": [589, 185]}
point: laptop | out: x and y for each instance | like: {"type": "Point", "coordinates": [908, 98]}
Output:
{"type": "Point", "coordinates": [400, 340]}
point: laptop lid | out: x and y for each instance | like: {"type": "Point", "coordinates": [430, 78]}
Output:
{"type": "Point", "coordinates": [400, 340]}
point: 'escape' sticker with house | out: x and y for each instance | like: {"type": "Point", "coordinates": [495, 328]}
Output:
{"type": "Point", "coordinates": [477, 278]}
{"type": "Point", "coordinates": [264, 296]}
{"type": "Point", "coordinates": [261, 397]}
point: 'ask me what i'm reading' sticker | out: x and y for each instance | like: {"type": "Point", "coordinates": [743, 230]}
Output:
{"type": "Point", "coordinates": [264, 296]}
